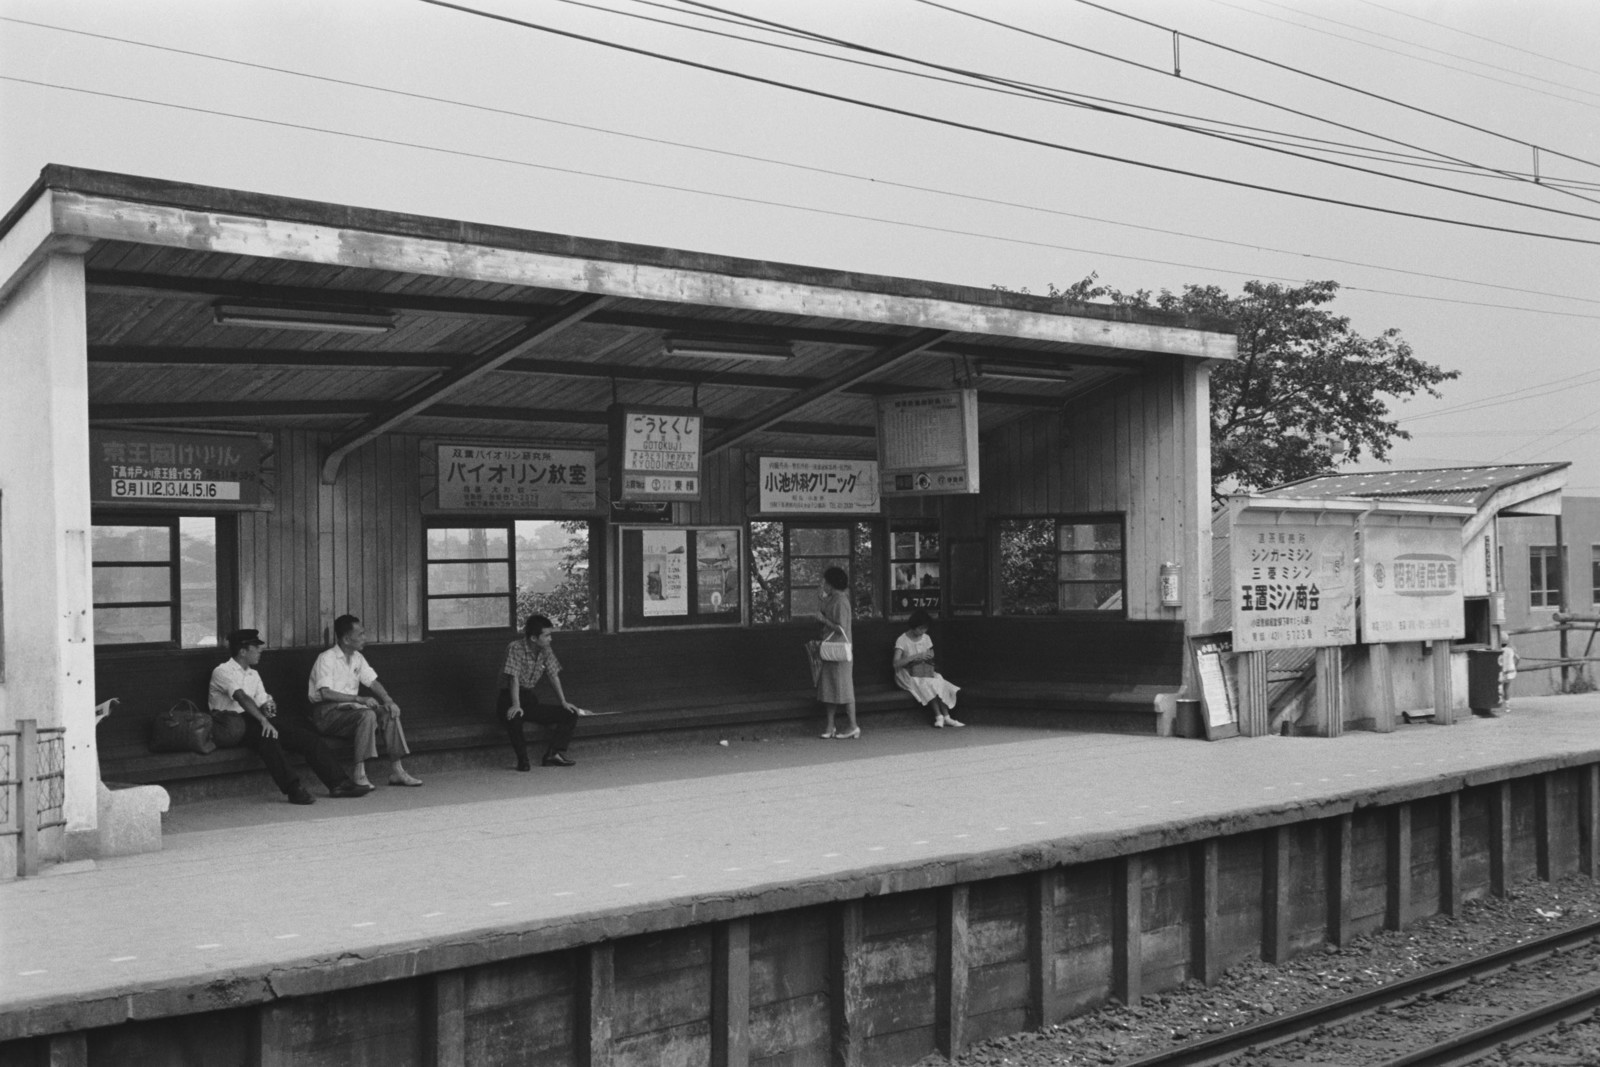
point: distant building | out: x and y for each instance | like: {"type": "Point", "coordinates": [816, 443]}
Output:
{"type": "Point", "coordinates": [1540, 579]}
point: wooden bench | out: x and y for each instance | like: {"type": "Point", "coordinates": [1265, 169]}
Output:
{"type": "Point", "coordinates": [1099, 674]}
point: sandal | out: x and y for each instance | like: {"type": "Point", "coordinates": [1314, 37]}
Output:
{"type": "Point", "coordinates": [830, 735]}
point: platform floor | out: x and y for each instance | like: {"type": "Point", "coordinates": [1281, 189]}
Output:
{"type": "Point", "coordinates": [252, 889]}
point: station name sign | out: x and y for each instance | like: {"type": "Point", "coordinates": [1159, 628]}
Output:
{"type": "Point", "coordinates": [657, 453]}
{"type": "Point", "coordinates": [177, 469]}
{"type": "Point", "coordinates": [928, 443]}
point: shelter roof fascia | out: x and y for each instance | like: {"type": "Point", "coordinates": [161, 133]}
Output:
{"type": "Point", "coordinates": [93, 205]}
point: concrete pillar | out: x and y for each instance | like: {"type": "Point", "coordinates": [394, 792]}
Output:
{"type": "Point", "coordinates": [47, 630]}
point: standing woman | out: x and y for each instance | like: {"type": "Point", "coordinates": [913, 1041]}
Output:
{"type": "Point", "coordinates": [528, 659]}
{"type": "Point", "coordinates": [836, 685]}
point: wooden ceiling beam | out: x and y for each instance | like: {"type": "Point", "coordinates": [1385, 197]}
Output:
{"type": "Point", "coordinates": [881, 360]}
{"type": "Point", "coordinates": [419, 399]}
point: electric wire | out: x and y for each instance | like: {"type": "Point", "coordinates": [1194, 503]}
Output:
{"type": "Point", "coordinates": [1527, 392]}
{"type": "Point", "coordinates": [1417, 59]}
{"type": "Point", "coordinates": [1333, 82]}
{"type": "Point", "coordinates": [1478, 36]}
{"type": "Point", "coordinates": [1005, 135]}
{"type": "Point", "coordinates": [810, 168]}
{"type": "Point", "coordinates": [1049, 93]}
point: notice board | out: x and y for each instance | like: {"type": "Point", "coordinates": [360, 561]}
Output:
{"type": "Point", "coordinates": [681, 576]}
{"type": "Point", "coordinates": [1215, 671]}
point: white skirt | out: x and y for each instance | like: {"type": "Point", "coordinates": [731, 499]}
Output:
{"type": "Point", "coordinates": [926, 689]}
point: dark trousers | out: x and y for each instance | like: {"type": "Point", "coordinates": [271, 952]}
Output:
{"type": "Point", "coordinates": [559, 720]}
{"type": "Point", "coordinates": [294, 737]}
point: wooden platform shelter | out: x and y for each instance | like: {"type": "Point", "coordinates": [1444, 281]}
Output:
{"type": "Point", "coordinates": [224, 408]}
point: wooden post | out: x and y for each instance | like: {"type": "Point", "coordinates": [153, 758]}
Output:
{"type": "Point", "coordinates": [1205, 947]}
{"type": "Point", "coordinates": [846, 984]}
{"type": "Point", "coordinates": [1328, 702]}
{"type": "Point", "coordinates": [1341, 841]}
{"type": "Point", "coordinates": [1397, 846]}
{"type": "Point", "coordinates": [446, 1016]}
{"type": "Point", "coordinates": [1543, 802]}
{"type": "Point", "coordinates": [1450, 854]}
{"type": "Point", "coordinates": [1254, 709]}
{"type": "Point", "coordinates": [1499, 837]}
{"type": "Point", "coordinates": [275, 1035]}
{"type": "Point", "coordinates": [1589, 820]}
{"type": "Point", "coordinates": [69, 1050]}
{"type": "Point", "coordinates": [730, 994]}
{"type": "Point", "coordinates": [950, 972]}
{"type": "Point", "coordinates": [1275, 892]}
{"type": "Point", "coordinates": [1044, 1004]}
{"type": "Point", "coordinates": [27, 797]}
{"type": "Point", "coordinates": [1443, 691]}
{"type": "Point", "coordinates": [596, 992]}
{"type": "Point", "coordinates": [1127, 928]}
{"type": "Point", "coordinates": [1383, 710]}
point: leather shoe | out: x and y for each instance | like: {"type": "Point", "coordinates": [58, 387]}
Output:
{"type": "Point", "coordinates": [350, 790]}
{"type": "Point", "coordinates": [558, 759]}
{"type": "Point", "coordinates": [298, 795]}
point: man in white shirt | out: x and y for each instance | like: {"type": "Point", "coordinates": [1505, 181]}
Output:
{"type": "Point", "coordinates": [236, 689]}
{"type": "Point", "coordinates": [339, 710]}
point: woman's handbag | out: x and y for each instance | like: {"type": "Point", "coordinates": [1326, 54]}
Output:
{"type": "Point", "coordinates": [835, 650]}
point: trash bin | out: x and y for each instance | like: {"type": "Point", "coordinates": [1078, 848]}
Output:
{"type": "Point", "coordinates": [1483, 679]}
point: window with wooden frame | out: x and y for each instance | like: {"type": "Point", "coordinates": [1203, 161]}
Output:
{"type": "Point", "coordinates": [155, 581]}
{"type": "Point", "coordinates": [492, 575]}
{"type": "Point", "coordinates": [1060, 565]}
{"type": "Point", "coordinates": [788, 558]}
{"type": "Point", "coordinates": [1544, 577]}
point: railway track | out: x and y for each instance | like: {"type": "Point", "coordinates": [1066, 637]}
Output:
{"type": "Point", "coordinates": [1463, 1048]}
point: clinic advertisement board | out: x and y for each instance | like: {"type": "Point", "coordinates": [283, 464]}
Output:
{"type": "Point", "coordinates": [814, 486]}
{"type": "Point", "coordinates": [656, 453]}
{"type": "Point", "coordinates": [928, 443]}
{"type": "Point", "coordinates": [1294, 581]}
{"type": "Point", "coordinates": [1411, 580]}
{"type": "Point", "coordinates": [164, 468]}
{"type": "Point", "coordinates": [513, 478]}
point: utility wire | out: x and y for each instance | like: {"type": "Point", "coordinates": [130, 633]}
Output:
{"type": "Point", "coordinates": [1020, 138]}
{"type": "Point", "coordinates": [1414, 58]}
{"type": "Point", "coordinates": [1478, 37]}
{"type": "Point", "coordinates": [755, 200]}
{"type": "Point", "coordinates": [1336, 83]}
{"type": "Point", "coordinates": [1050, 93]}
{"type": "Point", "coordinates": [1528, 392]}
{"type": "Point", "coordinates": [813, 169]}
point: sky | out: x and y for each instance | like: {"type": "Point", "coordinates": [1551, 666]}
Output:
{"type": "Point", "coordinates": [413, 106]}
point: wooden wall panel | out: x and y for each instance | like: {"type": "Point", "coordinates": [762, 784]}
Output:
{"type": "Point", "coordinates": [997, 958]}
{"type": "Point", "coordinates": [1425, 825]}
{"type": "Point", "coordinates": [1308, 899]}
{"type": "Point", "coordinates": [1524, 837]}
{"type": "Point", "coordinates": [899, 939]}
{"type": "Point", "coordinates": [789, 988]}
{"type": "Point", "coordinates": [522, 1010]}
{"type": "Point", "coordinates": [1083, 918]}
{"type": "Point", "coordinates": [1240, 869]}
{"type": "Point", "coordinates": [1369, 881]}
{"type": "Point", "coordinates": [1475, 841]}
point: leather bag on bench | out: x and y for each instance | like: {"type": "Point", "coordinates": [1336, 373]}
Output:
{"type": "Point", "coordinates": [182, 728]}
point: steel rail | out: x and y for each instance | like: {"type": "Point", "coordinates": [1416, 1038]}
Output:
{"type": "Point", "coordinates": [1475, 1044]}
{"type": "Point", "coordinates": [1209, 1050]}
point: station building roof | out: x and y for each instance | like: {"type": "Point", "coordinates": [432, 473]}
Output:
{"type": "Point", "coordinates": [448, 327]}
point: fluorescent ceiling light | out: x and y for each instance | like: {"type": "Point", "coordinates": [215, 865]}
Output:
{"type": "Point", "coordinates": [288, 317]}
{"type": "Point", "coordinates": [1025, 372]}
{"type": "Point", "coordinates": [727, 348]}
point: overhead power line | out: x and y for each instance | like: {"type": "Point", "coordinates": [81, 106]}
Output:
{"type": "Point", "coordinates": [1049, 93]}
{"type": "Point", "coordinates": [1338, 84]}
{"type": "Point", "coordinates": [814, 169]}
{"type": "Point", "coordinates": [1019, 138]}
{"type": "Point", "coordinates": [1477, 36]}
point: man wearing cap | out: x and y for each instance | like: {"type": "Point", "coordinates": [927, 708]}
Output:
{"type": "Point", "coordinates": [339, 710]}
{"type": "Point", "coordinates": [236, 689]}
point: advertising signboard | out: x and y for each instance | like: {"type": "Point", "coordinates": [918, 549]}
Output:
{"type": "Point", "coordinates": [1294, 581]}
{"type": "Point", "coordinates": [928, 443]}
{"type": "Point", "coordinates": [1411, 577]}
{"type": "Point", "coordinates": [170, 468]}
{"type": "Point", "coordinates": [656, 453]}
{"type": "Point", "coordinates": [478, 477]}
{"type": "Point", "coordinates": [818, 486]}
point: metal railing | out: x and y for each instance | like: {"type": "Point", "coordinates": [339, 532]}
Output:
{"type": "Point", "coordinates": [33, 780]}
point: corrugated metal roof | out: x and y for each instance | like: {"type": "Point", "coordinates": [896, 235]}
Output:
{"type": "Point", "coordinates": [1473, 486]}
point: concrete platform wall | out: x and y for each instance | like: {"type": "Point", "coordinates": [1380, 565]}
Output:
{"type": "Point", "coordinates": [885, 979]}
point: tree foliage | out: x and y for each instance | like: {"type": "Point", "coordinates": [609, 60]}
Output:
{"type": "Point", "coordinates": [1303, 382]}
{"type": "Point", "coordinates": [567, 603]}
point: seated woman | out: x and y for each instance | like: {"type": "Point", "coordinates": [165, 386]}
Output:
{"type": "Point", "coordinates": [914, 671]}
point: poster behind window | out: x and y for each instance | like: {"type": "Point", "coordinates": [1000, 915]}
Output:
{"type": "Point", "coordinates": [665, 574]}
{"type": "Point", "coordinates": [717, 571]}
